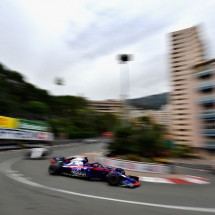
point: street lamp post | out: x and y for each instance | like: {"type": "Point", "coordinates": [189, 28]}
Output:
{"type": "Point", "coordinates": [123, 59]}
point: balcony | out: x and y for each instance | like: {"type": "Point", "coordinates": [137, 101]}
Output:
{"type": "Point", "coordinates": [207, 85]}
{"type": "Point", "coordinates": [204, 73]}
{"type": "Point", "coordinates": [210, 144]}
{"type": "Point", "coordinates": [208, 115]}
{"type": "Point", "coordinates": [207, 100]}
{"type": "Point", "coordinates": [208, 132]}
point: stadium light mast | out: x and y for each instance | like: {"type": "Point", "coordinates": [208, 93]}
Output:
{"type": "Point", "coordinates": [124, 59]}
{"type": "Point", "coordinates": [59, 81]}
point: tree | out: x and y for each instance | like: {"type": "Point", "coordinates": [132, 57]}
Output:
{"type": "Point", "coordinates": [4, 107]}
{"type": "Point", "coordinates": [67, 114]}
{"type": "Point", "coordinates": [38, 109]}
{"type": "Point", "coordinates": [106, 122]}
{"type": "Point", "coordinates": [145, 142]}
{"type": "Point", "coordinates": [146, 119]}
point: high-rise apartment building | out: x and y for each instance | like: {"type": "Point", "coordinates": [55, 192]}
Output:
{"type": "Point", "coordinates": [204, 99]}
{"type": "Point", "coordinates": [186, 51]}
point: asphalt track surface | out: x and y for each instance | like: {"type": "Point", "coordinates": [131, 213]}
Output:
{"type": "Point", "coordinates": [71, 196]}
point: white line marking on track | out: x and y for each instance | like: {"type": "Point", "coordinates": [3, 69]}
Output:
{"type": "Point", "coordinates": [12, 171]}
{"type": "Point", "coordinates": [27, 178]}
{"type": "Point", "coordinates": [15, 174]}
{"type": "Point", "coordinates": [5, 166]}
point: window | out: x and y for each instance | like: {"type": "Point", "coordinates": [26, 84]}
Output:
{"type": "Point", "coordinates": [178, 84]}
{"type": "Point", "coordinates": [181, 79]}
{"type": "Point", "coordinates": [181, 89]}
{"type": "Point", "coordinates": [181, 129]}
{"type": "Point", "coordinates": [183, 114]}
{"type": "Point", "coordinates": [181, 104]}
{"type": "Point", "coordinates": [178, 99]}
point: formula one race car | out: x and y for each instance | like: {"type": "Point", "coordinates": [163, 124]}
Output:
{"type": "Point", "coordinates": [38, 152]}
{"type": "Point", "coordinates": [79, 167]}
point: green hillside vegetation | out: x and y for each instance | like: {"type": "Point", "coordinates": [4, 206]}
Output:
{"type": "Point", "coordinates": [66, 114]}
{"type": "Point", "coordinates": [150, 102]}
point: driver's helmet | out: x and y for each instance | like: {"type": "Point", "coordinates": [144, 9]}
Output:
{"type": "Point", "coordinates": [95, 164]}
{"type": "Point", "coordinates": [85, 160]}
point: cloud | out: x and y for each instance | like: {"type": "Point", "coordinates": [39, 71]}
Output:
{"type": "Point", "coordinates": [104, 35]}
{"type": "Point", "coordinates": [80, 40]}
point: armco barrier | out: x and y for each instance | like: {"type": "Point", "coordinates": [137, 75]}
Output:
{"type": "Point", "coordinates": [68, 141]}
{"type": "Point", "coordinates": [64, 142]}
{"type": "Point", "coordinates": [203, 167]}
{"type": "Point", "coordinates": [16, 145]}
{"type": "Point", "coordinates": [135, 166]}
{"type": "Point", "coordinates": [9, 147]}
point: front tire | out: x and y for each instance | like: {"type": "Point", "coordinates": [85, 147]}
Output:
{"type": "Point", "coordinates": [113, 179]}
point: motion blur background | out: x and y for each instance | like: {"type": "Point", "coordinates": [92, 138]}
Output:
{"type": "Point", "coordinates": [60, 68]}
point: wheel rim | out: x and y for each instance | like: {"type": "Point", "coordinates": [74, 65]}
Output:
{"type": "Point", "coordinates": [51, 169]}
{"type": "Point", "coordinates": [113, 179]}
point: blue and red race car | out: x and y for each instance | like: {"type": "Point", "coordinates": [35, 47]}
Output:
{"type": "Point", "coordinates": [80, 167]}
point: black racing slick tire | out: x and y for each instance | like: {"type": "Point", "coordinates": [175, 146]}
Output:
{"type": "Point", "coordinates": [54, 169]}
{"type": "Point", "coordinates": [122, 171]}
{"type": "Point", "coordinates": [113, 179]}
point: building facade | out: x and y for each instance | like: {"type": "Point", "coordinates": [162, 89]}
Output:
{"type": "Point", "coordinates": [192, 93]}
{"type": "Point", "coordinates": [204, 98]}
{"type": "Point", "coordinates": [186, 51]}
{"type": "Point", "coordinates": [107, 106]}
{"type": "Point", "coordinates": [161, 117]}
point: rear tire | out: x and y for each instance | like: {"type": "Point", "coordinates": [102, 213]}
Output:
{"type": "Point", "coordinates": [113, 179]}
{"type": "Point", "coordinates": [54, 169]}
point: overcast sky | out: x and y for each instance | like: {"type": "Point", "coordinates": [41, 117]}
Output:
{"type": "Point", "coordinates": [79, 40]}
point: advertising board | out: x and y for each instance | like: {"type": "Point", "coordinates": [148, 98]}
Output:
{"type": "Point", "coordinates": [16, 134]}
{"type": "Point", "coordinates": [31, 125]}
{"type": "Point", "coordinates": [7, 122]}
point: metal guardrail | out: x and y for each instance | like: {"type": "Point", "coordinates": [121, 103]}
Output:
{"type": "Point", "coordinates": [135, 166]}
{"type": "Point", "coordinates": [203, 167]}
{"type": "Point", "coordinates": [16, 145]}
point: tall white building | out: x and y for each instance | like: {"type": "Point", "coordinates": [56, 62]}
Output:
{"type": "Point", "coordinates": [186, 51]}
{"type": "Point", "coordinates": [193, 91]}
